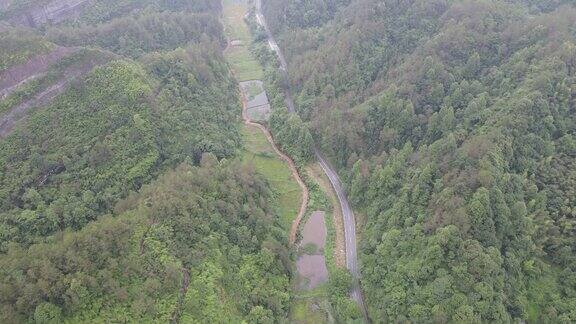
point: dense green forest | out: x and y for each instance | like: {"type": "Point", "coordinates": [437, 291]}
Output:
{"type": "Point", "coordinates": [135, 36]}
{"type": "Point", "coordinates": [95, 12]}
{"type": "Point", "coordinates": [453, 124]}
{"type": "Point", "coordinates": [20, 45]}
{"type": "Point", "coordinates": [107, 136]}
{"type": "Point", "coordinates": [123, 197]}
{"type": "Point", "coordinates": [117, 128]}
{"type": "Point", "coordinates": [201, 244]}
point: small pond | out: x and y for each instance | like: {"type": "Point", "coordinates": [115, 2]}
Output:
{"type": "Point", "coordinates": [311, 265]}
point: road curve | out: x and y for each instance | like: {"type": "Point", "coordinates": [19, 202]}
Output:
{"type": "Point", "coordinates": [349, 231]}
{"type": "Point", "coordinates": [347, 214]}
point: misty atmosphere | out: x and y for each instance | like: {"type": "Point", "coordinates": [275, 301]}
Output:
{"type": "Point", "coordinates": [287, 161]}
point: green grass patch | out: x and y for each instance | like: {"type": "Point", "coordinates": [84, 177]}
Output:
{"type": "Point", "coordinates": [311, 306]}
{"type": "Point", "coordinates": [241, 60]}
{"type": "Point", "coordinates": [234, 24]}
{"type": "Point", "coordinates": [245, 67]}
{"type": "Point", "coordinates": [309, 249]}
{"type": "Point", "coordinates": [302, 312]}
{"type": "Point", "coordinates": [330, 243]}
{"type": "Point", "coordinates": [261, 155]}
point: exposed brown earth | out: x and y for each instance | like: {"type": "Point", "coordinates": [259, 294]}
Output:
{"type": "Point", "coordinates": [314, 230]}
{"type": "Point", "coordinates": [35, 67]}
{"type": "Point", "coordinates": [9, 120]}
{"type": "Point", "coordinates": [312, 271]}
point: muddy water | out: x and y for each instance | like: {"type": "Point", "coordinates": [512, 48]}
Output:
{"type": "Point", "coordinates": [257, 105]}
{"type": "Point", "coordinates": [311, 268]}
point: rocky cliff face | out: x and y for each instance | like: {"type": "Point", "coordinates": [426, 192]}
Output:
{"type": "Point", "coordinates": [15, 76]}
{"type": "Point", "coordinates": [53, 12]}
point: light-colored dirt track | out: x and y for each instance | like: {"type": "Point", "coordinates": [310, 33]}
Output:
{"type": "Point", "coordinates": [291, 165]}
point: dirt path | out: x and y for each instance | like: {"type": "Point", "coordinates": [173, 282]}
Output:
{"type": "Point", "coordinates": [305, 195]}
{"type": "Point", "coordinates": [291, 166]}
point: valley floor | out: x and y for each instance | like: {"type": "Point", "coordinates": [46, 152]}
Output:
{"type": "Point", "coordinates": [310, 304]}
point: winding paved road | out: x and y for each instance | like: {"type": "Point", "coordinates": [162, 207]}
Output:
{"type": "Point", "coordinates": [347, 214]}
{"type": "Point", "coordinates": [274, 46]}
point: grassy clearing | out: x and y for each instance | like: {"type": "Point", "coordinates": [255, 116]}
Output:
{"type": "Point", "coordinates": [330, 242]}
{"type": "Point", "coordinates": [302, 312]}
{"type": "Point", "coordinates": [245, 67]}
{"type": "Point", "coordinates": [257, 150]}
{"type": "Point", "coordinates": [236, 28]}
{"type": "Point", "coordinates": [261, 155]}
{"type": "Point", "coordinates": [243, 64]}
{"type": "Point", "coordinates": [311, 307]}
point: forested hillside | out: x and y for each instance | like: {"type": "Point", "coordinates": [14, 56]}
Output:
{"type": "Point", "coordinates": [454, 123]}
{"type": "Point", "coordinates": [37, 13]}
{"type": "Point", "coordinates": [19, 45]}
{"type": "Point", "coordinates": [200, 244]}
{"type": "Point", "coordinates": [122, 195]}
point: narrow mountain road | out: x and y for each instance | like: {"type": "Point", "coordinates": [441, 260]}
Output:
{"type": "Point", "coordinates": [349, 231]}
{"type": "Point", "coordinates": [347, 214]}
{"type": "Point", "coordinates": [274, 46]}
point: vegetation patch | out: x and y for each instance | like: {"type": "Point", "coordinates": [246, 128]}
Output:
{"type": "Point", "coordinates": [259, 153]}
{"type": "Point", "coordinates": [20, 45]}
{"type": "Point", "coordinates": [243, 63]}
{"type": "Point", "coordinates": [245, 67]}
{"type": "Point", "coordinates": [161, 258]}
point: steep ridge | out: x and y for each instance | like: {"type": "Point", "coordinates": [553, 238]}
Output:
{"type": "Point", "coordinates": [51, 12]}
{"type": "Point", "coordinates": [18, 113]}
{"type": "Point", "coordinates": [15, 76]}
{"type": "Point", "coordinates": [38, 81]}
{"type": "Point", "coordinates": [139, 160]}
